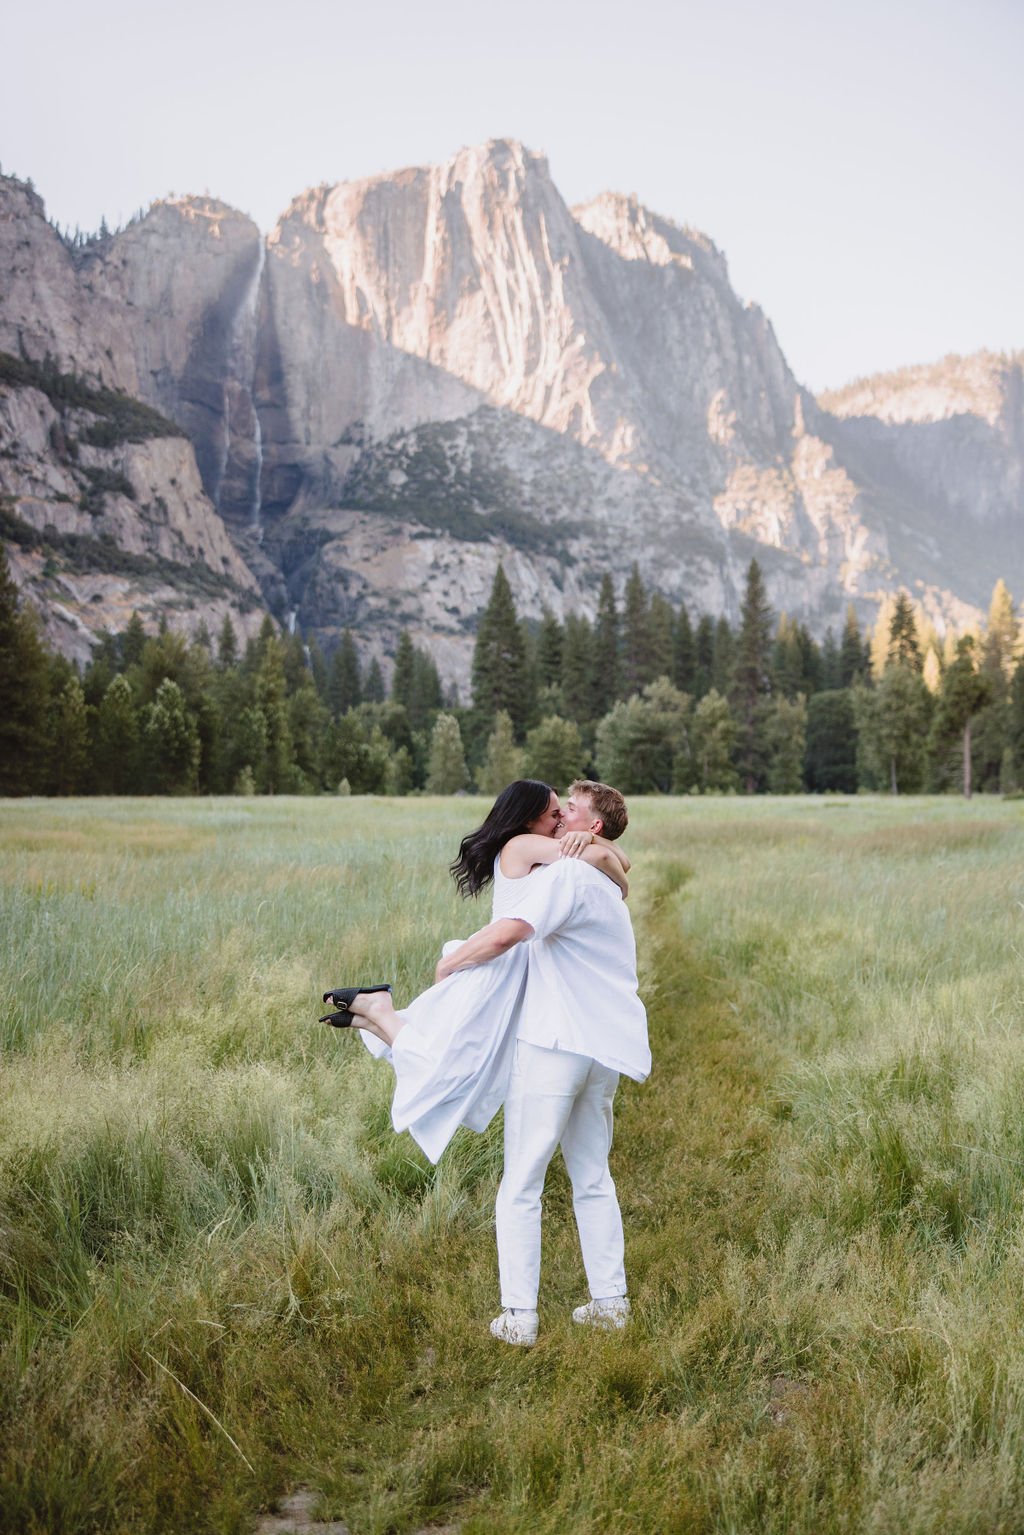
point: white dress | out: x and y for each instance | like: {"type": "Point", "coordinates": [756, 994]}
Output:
{"type": "Point", "coordinates": [453, 1058]}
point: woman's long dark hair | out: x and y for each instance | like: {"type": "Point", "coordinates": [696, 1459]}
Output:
{"type": "Point", "coordinates": [520, 802]}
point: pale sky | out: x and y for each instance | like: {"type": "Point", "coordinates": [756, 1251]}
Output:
{"type": "Point", "coordinates": [860, 162]}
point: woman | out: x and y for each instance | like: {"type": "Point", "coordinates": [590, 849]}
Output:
{"type": "Point", "coordinates": [452, 1047]}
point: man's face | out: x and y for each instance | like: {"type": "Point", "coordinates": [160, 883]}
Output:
{"type": "Point", "coordinates": [578, 815]}
{"type": "Point", "coordinates": [549, 823]}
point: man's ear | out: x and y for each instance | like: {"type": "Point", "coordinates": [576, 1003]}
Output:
{"type": "Point", "coordinates": [597, 826]}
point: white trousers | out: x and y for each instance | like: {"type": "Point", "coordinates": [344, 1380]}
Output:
{"type": "Point", "coordinates": [556, 1098]}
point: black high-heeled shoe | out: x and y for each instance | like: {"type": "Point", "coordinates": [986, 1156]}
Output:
{"type": "Point", "coordinates": [343, 997]}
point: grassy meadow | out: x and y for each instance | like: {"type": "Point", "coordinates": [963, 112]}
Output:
{"type": "Point", "coordinates": [223, 1277]}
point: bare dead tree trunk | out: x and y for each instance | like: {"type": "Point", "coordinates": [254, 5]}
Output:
{"type": "Point", "coordinates": [892, 774]}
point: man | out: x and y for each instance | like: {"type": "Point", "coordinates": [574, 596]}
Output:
{"type": "Point", "coordinates": [581, 1025]}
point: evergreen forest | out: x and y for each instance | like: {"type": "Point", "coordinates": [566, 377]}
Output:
{"type": "Point", "coordinates": [646, 697]}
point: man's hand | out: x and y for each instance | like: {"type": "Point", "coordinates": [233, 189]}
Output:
{"type": "Point", "coordinates": [572, 843]}
{"type": "Point", "coordinates": [494, 939]}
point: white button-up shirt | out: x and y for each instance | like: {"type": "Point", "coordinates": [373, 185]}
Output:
{"type": "Point", "coordinates": [581, 989]}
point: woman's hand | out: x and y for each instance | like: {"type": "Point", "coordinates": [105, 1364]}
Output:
{"type": "Point", "coordinates": [572, 843]}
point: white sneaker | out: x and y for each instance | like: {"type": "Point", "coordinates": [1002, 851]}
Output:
{"type": "Point", "coordinates": [604, 1313]}
{"type": "Point", "coordinates": [516, 1327]}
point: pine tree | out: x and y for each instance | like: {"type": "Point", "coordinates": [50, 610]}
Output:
{"type": "Point", "coordinates": [255, 650]}
{"type": "Point", "coordinates": [752, 681]}
{"type": "Point", "coordinates": [635, 637]}
{"type": "Point", "coordinates": [133, 640]}
{"type": "Point", "coordinates": [103, 666]}
{"type": "Point", "coordinates": [530, 692]}
{"type": "Point", "coordinates": [877, 642]}
{"type": "Point", "coordinates": [605, 677]}
{"type": "Point", "coordinates": [829, 662]}
{"type": "Point", "coordinates": [172, 742]}
{"type": "Point", "coordinates": [723, 657]}
{"type": "Point", "coordinates": [116, 752]}
{"type": "Point", "coordinates": [998, 659]}
{"type": "Point", "coordinates": [812, 661]}
{"type": "Point", "coordinates": [831, 743]}
{"type": "Point", "coordinates": [24, 692]}
{"type": "Point", "coordinates": [354, 757]}
{"type": "Point", "coordinates": [248, 756]}
{"type": "Point", "coordinates": [373, 686]}
{"type": "Point", "coordinates": [426, 691]}
{"type": "Point", "coordinates": [345, 683]}
{"type": "Point", "coordinates": [788, 659]}
{"type": "Point", "coordinates": [1002, 640]}
{"type": "Point", "coordinates": [402, 681]}
{"type": "Point", "coordinates": [704, 647]}
{"type": "Point", "coordinates": [577, 668]}
{"type": "Point", "coordinates": [904, 647]}
{"type": "Point", "coordinates": [893, 719]}
{"type": "Point", "coordinates": [307, 723]}
{"type": "Point", "coordinates": [685, 671]}
{"type": "Point", "coordinates": [964, 692]}
{"type": "Point", "coordinates": [271, 695]}
{"type": "Point", "coordinates": [446, 767]}
{"type": "Point", "coordinates": [70, 758]}
{"type": "Point", "coordinates": [499, 662]}
{"type": "Point", "coordinates": [549, 651]}
{"type": "Point", "coordinates": [293, 656]}
{"type": "Point", "coordinates": [661, 636]}
{"type": "Point", "coordinates": [227, 645]}
{"type": "Point", "coordinates": [851, 651]}
{"type": "Point", "coordinates": [318, 670]}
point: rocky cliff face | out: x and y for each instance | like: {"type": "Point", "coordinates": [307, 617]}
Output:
{"type": "Point", "coordinates": [187, 281]}
{"type": "Point", "coordinates": [102, 505]}
{"type": "Point", "coordinates": [453, 348]}
{"type": "Point", "coordinates": [943, 448]}
{"type": "Point", "coordinates": [420, 374]}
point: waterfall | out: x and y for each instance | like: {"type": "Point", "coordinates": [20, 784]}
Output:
{"type": "Point", "coordinates": [240, 380]}
{"type": "Point", "coordinates": [257, 443]}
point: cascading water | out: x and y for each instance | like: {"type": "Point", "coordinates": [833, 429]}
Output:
{"type": "Point", "coordinates": [257, 443]}
{"type": "Point", "coordinates": [239, 397]}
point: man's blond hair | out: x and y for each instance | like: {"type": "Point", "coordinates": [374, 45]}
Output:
{"type": "Point", "coordinates": [606, 803]}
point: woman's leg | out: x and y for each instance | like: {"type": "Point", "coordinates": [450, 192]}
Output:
{"type": "Point", "coordinates": [374, 1011]}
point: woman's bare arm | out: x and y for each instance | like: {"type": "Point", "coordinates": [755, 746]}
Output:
{"type": "Point", "coordinates": [523, 853]}
{"type": "Point", "coordinates": [573, 842]}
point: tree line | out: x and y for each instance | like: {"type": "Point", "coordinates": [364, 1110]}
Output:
{"type": "Point", "coordinates": [641, 696]}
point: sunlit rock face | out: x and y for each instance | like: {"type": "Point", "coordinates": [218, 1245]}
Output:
{"type": "Point", "coordinates": [453, 346]}
{"type": "Point", "coordinates": [423, 373]}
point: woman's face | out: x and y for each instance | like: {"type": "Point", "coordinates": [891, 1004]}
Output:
{"type": "Point", "coordinates": [549, 821]}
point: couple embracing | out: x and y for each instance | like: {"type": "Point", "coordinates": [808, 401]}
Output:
{"type": "Point", "coordinates": [538, 1011]}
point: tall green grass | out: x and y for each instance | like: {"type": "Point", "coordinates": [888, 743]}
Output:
{"type": "Point", "coordinates": [222, 1275]}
